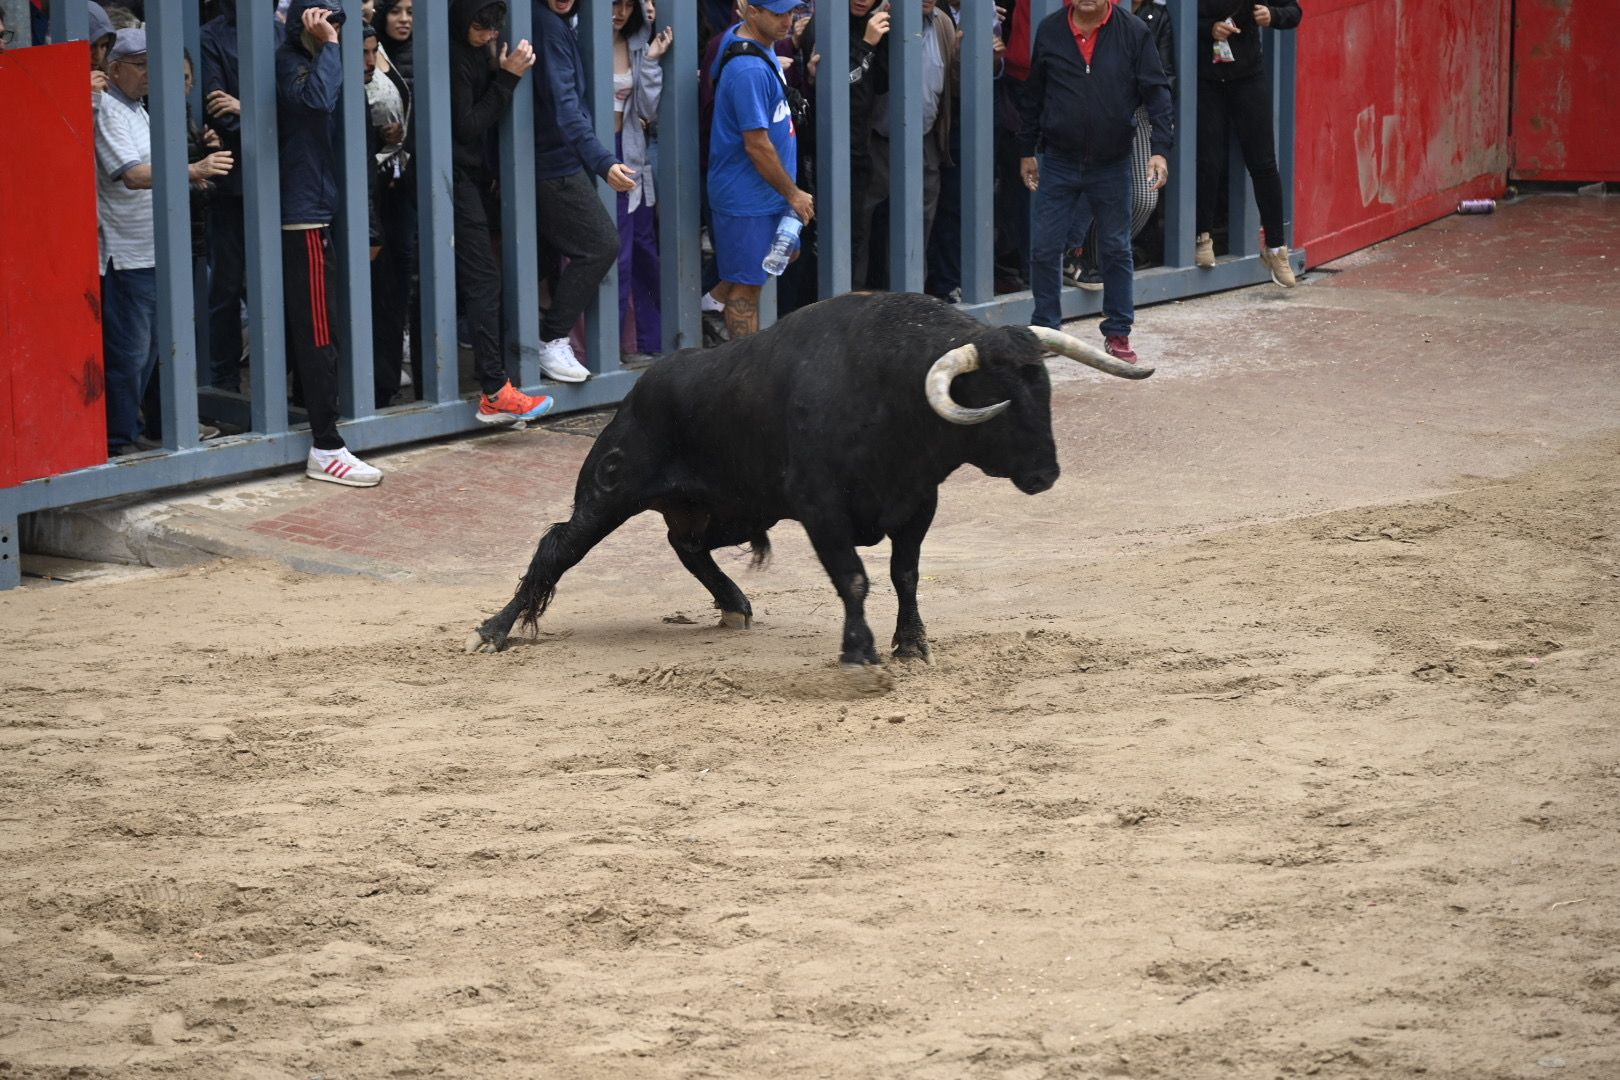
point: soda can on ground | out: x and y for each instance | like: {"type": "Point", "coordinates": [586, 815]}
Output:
{"type": "Point", "coordinates": [1477, 206]}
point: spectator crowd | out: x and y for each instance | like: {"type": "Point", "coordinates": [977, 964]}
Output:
{"type": "Point", "coordinates": [1084, 124]}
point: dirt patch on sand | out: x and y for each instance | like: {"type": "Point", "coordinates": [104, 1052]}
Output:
{"type": "Point", "coordinates": [1331, 797]}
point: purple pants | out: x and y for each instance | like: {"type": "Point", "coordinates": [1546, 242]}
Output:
{"type": "Point", "coordinates": [639, 274]}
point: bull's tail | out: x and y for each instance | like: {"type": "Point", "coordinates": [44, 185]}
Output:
{"type": "Point", "coordinates": [539, 584]}
{"type": "Point", "coordinates": [760, 545]}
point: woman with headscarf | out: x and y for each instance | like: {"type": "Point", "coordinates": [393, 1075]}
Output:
{"type": "Point", "coordinates": [393, 301]}
{"type": "Point", "coordinates": [638, 83]}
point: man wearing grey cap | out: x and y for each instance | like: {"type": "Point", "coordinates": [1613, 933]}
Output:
{"type": "Point", "coordinates": [128, 248]}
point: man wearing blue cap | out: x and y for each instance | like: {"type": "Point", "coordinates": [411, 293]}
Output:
{"type": "Point", "coordinates": [753, 158]}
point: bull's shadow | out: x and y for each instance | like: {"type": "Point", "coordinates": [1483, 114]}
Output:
{"type": "Point", "coordinates": [846, 416]}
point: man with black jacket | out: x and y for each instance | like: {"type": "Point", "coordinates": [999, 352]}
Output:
{"type": "Point", "coordinates": [1091, 65]}
{"type": "Point", "coordinates": [572, 220]}
{"type": "Point", "coordinates": [481, 86]}
{"type": "Point", "coordinates": [309, 95]}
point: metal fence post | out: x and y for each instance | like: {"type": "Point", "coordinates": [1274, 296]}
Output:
{"type": "Point", "coordinates": [678, 184]}
{"type": "Point", "coordinates": [261, 204]}
{"type": "Point", "coordinates": [1181, 194]}
{"type": "Point", "coordinates": [351, 236]}
{"type": "Point", "coordinates": [602, 318]}
{"type": "Point", "coordinates": [171, 215]}
{"type": "Point", "coordinates": [978, 152]}
{"type": "Point", "coordinates": [906, 240]}
{"type": "Point", "coordinates": [70, 20]}
{"type": "Point", "coordinates": [1285, 56]}
{"type": "Point", "coordinates": [441, 359]}
{"type": "Point", "coordinates": [520, 263]}
{"type": "Point", "coordinates": [834, 199]}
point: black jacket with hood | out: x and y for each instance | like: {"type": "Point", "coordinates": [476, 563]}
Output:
{"type": "Point", "coordinates": [480, 93]}
{"type": "Point", "coordinates": [309, 93]}
{"type": "Point", "coordinates": [1245, 44]}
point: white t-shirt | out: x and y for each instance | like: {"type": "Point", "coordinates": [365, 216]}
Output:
{"type": "Point", "coordinates": [123, 140]}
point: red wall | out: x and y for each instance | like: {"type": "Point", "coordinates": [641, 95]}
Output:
{"type": "Point", "coordinates": [1402, 111]}
{"type": "Point", "coordinates": [53, 413]}
{"type": "Point", "coordinates": [1566, 113]}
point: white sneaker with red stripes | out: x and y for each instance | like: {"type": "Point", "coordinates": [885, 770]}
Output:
{"type": "Point", "coordinates": [341, 467]}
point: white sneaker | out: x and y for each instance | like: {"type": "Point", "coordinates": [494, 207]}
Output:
{"type": "Point", "coordinates": [557, 361]}
{"type": "Point", "coordinates": [341, 467]}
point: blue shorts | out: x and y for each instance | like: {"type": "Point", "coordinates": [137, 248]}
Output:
{"type": "Point", "coordinates": [741, 244]}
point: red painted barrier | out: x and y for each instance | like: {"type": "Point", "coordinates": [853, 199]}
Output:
{"type": "Point", "coordinates": [1566, 115]}
{"type": "Point", "coordinates": [53, 413]}
{"type": "Point", "coordinates": [1402, 112]}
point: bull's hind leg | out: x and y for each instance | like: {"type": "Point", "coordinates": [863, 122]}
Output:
{"type": "Point", "coordinates": [694, 535]}
{"type": "Point", "coordinates": [563, 545]}
{"type": "Point", "coordinates": [910, 639]}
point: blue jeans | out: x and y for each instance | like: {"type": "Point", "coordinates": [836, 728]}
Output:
{"type": "Point", "coordinates": [1069, 198]}
{"type": "Point", "coordinates": [129, 342]}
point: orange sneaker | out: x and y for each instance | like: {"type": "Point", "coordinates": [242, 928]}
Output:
{"type": "Point", "coordinates": [510, 405]}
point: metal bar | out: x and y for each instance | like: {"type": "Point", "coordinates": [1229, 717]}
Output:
{"type": "Point", "coordinates": [70, 21]}
{"type": "Point", "coordinates": [678, 184]}
{"type": "Point", "coordinates": [351, 235]}
{"type": "Point", "coordinates": [1181, 193]}
{"type": "Point", "coordinates": [520, 264]}
{"type": "Point", "coordinates": [171, 221]}
{"type": "Point", "coordinates": [596, 44]}
{"type": "Point", "coordinates": [1284, 51]}
{"type": "Point", "coordinates": [767, 302]}
{"type": "Point", "coordinates": [834, 200]}
{"type": "Point", "coordinates": [10, 556]}
{"type": "Point", "coordinates": [16, 14]}
{"type": "Point", "coordinates": [233, 457]}
{"type": "Point", "coordinates": [1151, 287]}
{"type": "Point", "coordinates": [261, 203]}
{"type": "Point", "coordinates": [441, 359]}
{"type": "Point", "coordinates": [978, 153]}
{"type": "Point", "coordinates": [906, 240]}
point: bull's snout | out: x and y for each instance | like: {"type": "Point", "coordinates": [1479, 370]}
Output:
{"type": "Point", "coordinates": [1036, 480]}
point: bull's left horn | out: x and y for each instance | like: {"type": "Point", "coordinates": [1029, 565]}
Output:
{"type": "Point", "coordinates": [959, 361]}
{"type": "Point", "coordinates": [1075, 349]}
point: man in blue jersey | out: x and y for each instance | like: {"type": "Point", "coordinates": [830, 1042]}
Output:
{"type": "Point", "coordinates": [753, 158]}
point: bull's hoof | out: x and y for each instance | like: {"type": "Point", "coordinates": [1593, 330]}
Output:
{"type": "Point", "coordinates": [736, 620]}
{"type": "Point", "coordinates": [912, 650]}
{"type": "Point", "coordinates": [867, 678]}
{"type": "Point", "coordinates": [480, 642]}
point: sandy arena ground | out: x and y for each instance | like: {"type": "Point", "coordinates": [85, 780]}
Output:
{"type": "Point", "coordinates": [1320, 794]}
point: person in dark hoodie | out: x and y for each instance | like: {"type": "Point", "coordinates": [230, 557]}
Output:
{"type": "Point", "coordinates": [481, 85]}
{"type": "Point", "coordinates": [394, 308]}
{"type": "Point", "coordinates": [1234, 94]}
{"type": "Point", "coordinates": [572, 221]}
{"type": "Point", "coordinates": [309, 94]}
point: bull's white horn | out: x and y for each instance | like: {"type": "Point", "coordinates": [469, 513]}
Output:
{"type": "Point", "coordinates": [1075, 349]}
{"type": "Point", "coordinates": [959, 361]}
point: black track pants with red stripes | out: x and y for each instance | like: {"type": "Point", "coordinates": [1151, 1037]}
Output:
{"type": "Point", "coordinates": [306, 268]}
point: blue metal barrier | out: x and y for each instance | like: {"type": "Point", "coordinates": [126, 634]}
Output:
{"type": "Point", "coordinates": [272, 441]}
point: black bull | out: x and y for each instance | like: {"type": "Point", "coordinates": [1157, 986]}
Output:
{"type": "Point", "coordinates": [845, 416]}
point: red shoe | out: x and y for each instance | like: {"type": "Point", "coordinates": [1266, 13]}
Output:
{"type": "Point", "coordinates": [1119, 347]}
{"type": "Point", "coordinates": [510, 405]}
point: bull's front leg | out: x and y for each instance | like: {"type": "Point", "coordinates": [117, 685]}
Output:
{"type": "Point", "coordinates": [835, 547]}
{"type": "Point", "coordinates": [910, 639]}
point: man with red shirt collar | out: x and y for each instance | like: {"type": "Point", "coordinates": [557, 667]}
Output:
{"type": "Point", "coordinates": [1090, 67]}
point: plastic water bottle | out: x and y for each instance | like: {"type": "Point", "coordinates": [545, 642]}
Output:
{"type": "Point", "coordinates": [787, 234]}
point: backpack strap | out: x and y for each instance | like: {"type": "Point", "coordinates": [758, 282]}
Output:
{"type": "Point", "coordinates": [745, 47]}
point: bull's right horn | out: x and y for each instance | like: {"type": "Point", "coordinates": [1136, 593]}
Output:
{"type": "Point", "coordinates": [959, 361]}
{"type": "Point", "coordinates": [1075, 349]}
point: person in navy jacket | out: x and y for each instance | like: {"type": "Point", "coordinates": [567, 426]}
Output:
{"type": "Point", "coordinates": [1092, 64]}
{"type": "Point", "coordinates": [572, 221]}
